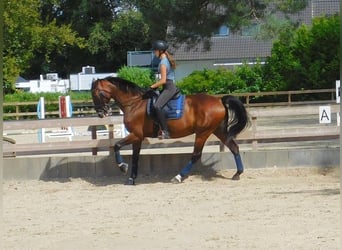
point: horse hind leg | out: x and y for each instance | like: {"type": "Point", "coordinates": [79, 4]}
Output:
{"type": "Point", "coordinates": [196, 155]}
{"type": "Point", "coordinates": [234, 148]}
{"type": "Point", "coordinates": [185, 171]}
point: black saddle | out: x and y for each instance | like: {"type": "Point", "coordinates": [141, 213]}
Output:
{"type": "Point", "coordinates": [154, 93]}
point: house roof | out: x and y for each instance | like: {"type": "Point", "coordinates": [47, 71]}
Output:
{"type": "Point", "coordinates": [20, 79]}
{"type": "Point", "coordinates": [234, 47]}
{"type": "Point", "coordinates": [324, 7]}
{"type": "Point", "coordinates": [231, 47]}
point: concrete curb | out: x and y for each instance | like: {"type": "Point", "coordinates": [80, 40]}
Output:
{"type": "Point", "coordinates": [45, 167]}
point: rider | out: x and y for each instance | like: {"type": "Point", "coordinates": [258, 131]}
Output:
{"type": "Point", "coordinates": [167, 80]}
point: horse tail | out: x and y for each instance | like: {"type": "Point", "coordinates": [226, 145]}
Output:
{"type": "Point", "coordinates": [237, 116]}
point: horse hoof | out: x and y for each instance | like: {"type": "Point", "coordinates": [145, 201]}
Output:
{"type": "Point", "coordinates": [176, 180]}
{"type": "Point", "coordinates": [236, 177]}
{"type": "Point", "coordinates": [123, 167]}
{"type": "Point", "coordinates": [130, 182]}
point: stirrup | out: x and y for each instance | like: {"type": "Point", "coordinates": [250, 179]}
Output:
{"type": "Point", "coordinates": [164, 135]}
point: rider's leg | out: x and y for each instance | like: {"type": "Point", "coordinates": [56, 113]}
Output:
{"type": "Point", "coordinates": [161, 116]}
{"type": "Point", "coordinates": [169, 90]}
{"type": "Point", "coordinates": [162, 122]}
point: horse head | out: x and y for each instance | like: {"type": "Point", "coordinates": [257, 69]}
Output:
{"type": "Point", "coordinates": [101, 98]}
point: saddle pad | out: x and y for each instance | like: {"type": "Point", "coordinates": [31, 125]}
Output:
{"type": "Point", "coordinates": [173, 109]}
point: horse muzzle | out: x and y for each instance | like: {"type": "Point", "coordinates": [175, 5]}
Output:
{"type": "Point", "coordinates": [103, 111]}
{"type": "Point", "coordinates": [102, 114]}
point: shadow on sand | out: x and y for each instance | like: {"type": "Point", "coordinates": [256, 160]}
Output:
{"type": "Point", "coordinates": [102, 171]}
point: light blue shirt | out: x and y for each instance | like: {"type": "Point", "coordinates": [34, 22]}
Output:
{"type": "Point", "coordinates": [170, 73]}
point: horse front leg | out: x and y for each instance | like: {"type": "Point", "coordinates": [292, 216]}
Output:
{"type": "Point", "coordinates": [135, 159]}
{"type": "Point", "coordinates": [123, 166]}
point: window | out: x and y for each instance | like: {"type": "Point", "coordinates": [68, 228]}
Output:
{"type": "Point", "coordinates": [222, 31]}
{"type": "Point", "coordinates": [250, 30]}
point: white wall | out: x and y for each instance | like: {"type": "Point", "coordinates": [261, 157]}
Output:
{"type": "Point", "coordinates": [185, 68]}
{"type": "Point", "coordinates": [82, 81]}
{"type": "Point", "coordinates": [36, 86]}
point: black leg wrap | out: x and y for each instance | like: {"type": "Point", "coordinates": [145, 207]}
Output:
{"type": "Point", "coordinates": [130, 182]}
{"type": "Point", "coordinates": [195, 158]}
{"type": "Point", "coordinates": [117, 147]}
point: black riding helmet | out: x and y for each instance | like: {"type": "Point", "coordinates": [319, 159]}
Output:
{"type": "Point", "coordinates": [160, 45]}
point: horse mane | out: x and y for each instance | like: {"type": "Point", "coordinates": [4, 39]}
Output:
{"type": "Point", "coordinates": [125, 85]}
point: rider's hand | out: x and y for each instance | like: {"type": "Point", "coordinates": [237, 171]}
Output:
{"type": "Point", "coordinates": [149, 93]}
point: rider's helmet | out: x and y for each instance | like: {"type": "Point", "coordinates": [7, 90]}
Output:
{"type": "Point", "coordinates": [160, 45]}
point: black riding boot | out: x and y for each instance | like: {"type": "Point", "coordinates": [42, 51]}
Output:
{"type": "Point", "coordinates": [163, 125]}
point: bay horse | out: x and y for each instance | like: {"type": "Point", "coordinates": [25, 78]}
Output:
{"type": "Point", "coordinates": [203, 115]}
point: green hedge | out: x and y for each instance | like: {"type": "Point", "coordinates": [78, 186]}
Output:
{"type": "Point", "coordinates": [245, 78]}
{"type": "Point", "coordinates": [20, 96]}
{"type": "Point", "coordinates": [141, 76]}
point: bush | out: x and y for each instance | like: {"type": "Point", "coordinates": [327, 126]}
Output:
{"type": "Point", "coordinates": [140, 76]}
{"type": "Point", "coordinates": [211, 81]}
{"type": "Point", "coordinates": [223, 81]}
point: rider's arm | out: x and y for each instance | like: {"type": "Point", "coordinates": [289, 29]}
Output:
{"type": "Point", "coordinates": [162, 77]}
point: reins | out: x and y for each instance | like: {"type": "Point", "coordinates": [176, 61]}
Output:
{"type": "Point", "coordinates": [128, 103]}
{"type": "Point", "coordinates": [131, 101]}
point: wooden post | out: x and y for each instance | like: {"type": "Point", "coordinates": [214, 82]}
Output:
{"type": "Point", "coordinates": [254, 128]}
{"type": "Point", "coordinates": [289, 98]}
{"type": "Point", "coordinates": [17, 111]}
{"type": "Point", "coordinates": [222, 147]}
{"type": "Point", "coordinates": [93, 137]}
{"type": "Point", "coordinates": [111, 136]}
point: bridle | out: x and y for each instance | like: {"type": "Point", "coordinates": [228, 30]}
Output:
{"type": "Point", "coordinates": [102, 108]}
{"type": "Point", "coordinates": [100, 96]}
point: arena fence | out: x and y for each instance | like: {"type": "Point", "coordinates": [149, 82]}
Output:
{"type": "Point", "coordinates": [83, 108]}
{"type": "Point", "coordinates": [268, 124]}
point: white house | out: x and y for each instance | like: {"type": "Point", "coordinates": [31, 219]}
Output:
{"type": "Point", "coordinates": [83, 80]}
{"type": "Point", "coordinates": [51, 83]}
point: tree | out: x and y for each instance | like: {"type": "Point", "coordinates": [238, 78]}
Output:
{"type": "Point", "coordinates": [126, 32]}
{"type": "Point", "coordinates": [109, 27]}
{"type": "Point", "coordinates": [305, 58]}
{"type": "Point", "coordinates": [25, 37]}
{"type": "Point", "coordinates": [193, 22]}
{"type": "Point", "coordinates": [81, 16]}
